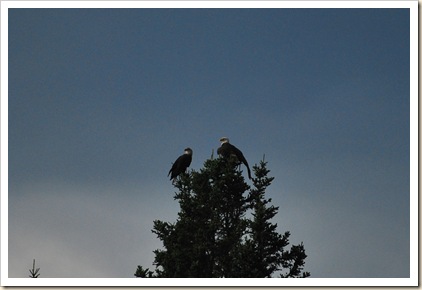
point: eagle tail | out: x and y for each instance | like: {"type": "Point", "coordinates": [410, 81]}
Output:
{"type": "Point", "coordinates": [249, 170]}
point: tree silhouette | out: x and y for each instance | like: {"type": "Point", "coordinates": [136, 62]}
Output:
{"type": "Point", "coordinates": [33, 271]}
{"type": "Point", "coordinates": [213, 235]}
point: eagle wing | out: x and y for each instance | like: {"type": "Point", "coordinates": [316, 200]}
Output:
{"type": "Point", "coordinates": [180, 165]}
{"type": "Point", "coordinates": [228, 149]}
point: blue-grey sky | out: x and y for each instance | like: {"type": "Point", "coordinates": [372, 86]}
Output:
{"type": "Point", "coordinates": [102, 101]}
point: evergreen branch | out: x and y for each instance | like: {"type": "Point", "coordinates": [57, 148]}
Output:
{"type": "Point", "coordinates": [33, 271]}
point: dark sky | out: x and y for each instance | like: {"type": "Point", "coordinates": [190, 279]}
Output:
{"type": "Point", "coordinates": [102, 101]}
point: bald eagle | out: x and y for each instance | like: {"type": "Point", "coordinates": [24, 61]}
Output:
{"type": "Point", "coordinates": [181, 164]}
{"type": "Point", "coordinates": [226, 150]}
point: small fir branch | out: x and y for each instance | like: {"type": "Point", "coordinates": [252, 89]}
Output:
{"type": "Point", "coordinates": [33, 271]}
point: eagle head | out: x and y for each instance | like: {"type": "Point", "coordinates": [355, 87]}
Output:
{"type": "Point", "coordinates": [224, 140]}
{"type": "Point", "coordinates": [188, 151]}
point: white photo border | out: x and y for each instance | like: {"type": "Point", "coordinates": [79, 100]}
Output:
{"type": "Point", "coordinates": [250, 282]}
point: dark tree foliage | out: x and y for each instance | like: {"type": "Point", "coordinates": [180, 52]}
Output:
{"type": "Point", "coordinates": [224, 228]}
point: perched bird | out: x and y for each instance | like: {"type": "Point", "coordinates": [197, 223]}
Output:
{"type": "Point", "coordinates": [181, 164]}
{"type": "Point", "coordinates": [227, 150]}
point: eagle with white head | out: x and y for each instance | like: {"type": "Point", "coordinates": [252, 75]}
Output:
{"type": "Point", "coordinates": [226, 150]}
{"type": "Point", "coordinates": [181, 164]}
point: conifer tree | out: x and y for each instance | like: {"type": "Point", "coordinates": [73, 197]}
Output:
{"type": "Point", "coordinates": [212, 236]}
{"type": "Point", "coordinates": [34, 271]}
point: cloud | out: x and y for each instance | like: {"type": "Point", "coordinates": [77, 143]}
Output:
{"type": "Point", "coordinates": [346, 234]}
{"type": "Point", "coordinates": [84, 231]}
